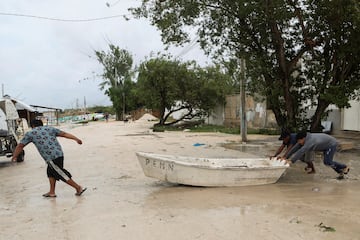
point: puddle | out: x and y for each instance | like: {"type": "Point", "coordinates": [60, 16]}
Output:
{"type": "Point", "coordinates": [258, 148]}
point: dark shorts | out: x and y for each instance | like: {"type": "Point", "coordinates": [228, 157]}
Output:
{"type": "Point", "coordinates": [56, 170]}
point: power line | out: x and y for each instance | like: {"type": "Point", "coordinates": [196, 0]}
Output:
{"type": "Point", "coordinates": [63, 20]}
{"type": "Point", "coordinates": [189, 47]}
{"type": "Point", "coordinates": [112, 4]}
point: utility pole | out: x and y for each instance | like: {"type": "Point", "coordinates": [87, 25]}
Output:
{"type": "Point", "coordinates": [85, 105]}
{"type": "Point", "coordinates": [243, 129]}
{"type": "Point", "coordinates": [122, 83]}
{"type": "Point", "coordinates": [123, 95]}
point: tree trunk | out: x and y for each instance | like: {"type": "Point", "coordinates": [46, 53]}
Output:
{"type": "Point", "coordinates": [162, 116]}
{"type": "Point", "coordinates": [283, 73]}
{"type": "Point", "coordinates": [316, 118]}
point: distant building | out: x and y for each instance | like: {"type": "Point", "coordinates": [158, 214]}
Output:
{"type": "Point", "coordinates": [257, 114]}
{"type": "Point", "coordinates": [351, 117]}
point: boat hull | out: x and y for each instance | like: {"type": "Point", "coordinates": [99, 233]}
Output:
{"type": "Point", "coordinates": [211, 172]}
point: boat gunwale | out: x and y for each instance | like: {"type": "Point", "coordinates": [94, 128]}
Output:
{"type": "Point", "coordinates": [189, 164]}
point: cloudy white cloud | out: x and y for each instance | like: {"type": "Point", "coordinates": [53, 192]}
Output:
{"type": "Point", "coordinates": [52, 63]}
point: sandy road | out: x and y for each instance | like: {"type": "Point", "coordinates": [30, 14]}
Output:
{"type": "Point", "coordinates": [121, 203]}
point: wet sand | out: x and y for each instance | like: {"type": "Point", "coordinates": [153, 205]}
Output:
{"type": "Point", "coordinates": [121, 203]}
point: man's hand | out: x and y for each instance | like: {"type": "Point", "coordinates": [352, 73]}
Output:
{"type": "Point", "coordinates": [288, 161]}
{"type": "Point", "coordinates": [17, 152]}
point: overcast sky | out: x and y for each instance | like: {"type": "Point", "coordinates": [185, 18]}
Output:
{"type": "Point", "coordinates": [52, 63]}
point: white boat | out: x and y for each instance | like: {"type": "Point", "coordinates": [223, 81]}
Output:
{"type": "Point", "coordinates": [211, 172]}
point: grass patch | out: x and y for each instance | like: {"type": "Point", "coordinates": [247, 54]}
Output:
{"type": "Point", "coordinates": [216, 128]}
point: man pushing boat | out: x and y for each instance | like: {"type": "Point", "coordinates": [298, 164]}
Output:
{"type": "Point", "coordinates": [321, 142]}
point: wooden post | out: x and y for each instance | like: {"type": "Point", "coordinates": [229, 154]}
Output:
{"type": "Point", "coordinates": [243, 127]}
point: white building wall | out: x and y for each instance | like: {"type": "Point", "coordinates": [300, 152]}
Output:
{"type": "Point", "coordinates": [351, 117]}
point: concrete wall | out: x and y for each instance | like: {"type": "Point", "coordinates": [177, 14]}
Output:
{"type": "Point", "coordinates": [217, 117]}
{"type": "Point", "coordinates": [257, 116]}
{"type": "Point", "coordinates": [334, 117]}
{"type": "Point", "coordinates": [351, 117]}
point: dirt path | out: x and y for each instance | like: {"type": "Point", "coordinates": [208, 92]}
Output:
{"type": "Point", "coordinates": [121, 203]}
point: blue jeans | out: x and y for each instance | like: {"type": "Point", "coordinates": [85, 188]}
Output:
{"type": "Point", "coordinates": [328, 159]}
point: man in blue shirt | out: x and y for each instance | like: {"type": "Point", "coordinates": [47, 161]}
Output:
{"type": "Point", "coordinates": [45, 140]}
{"type": "Point", "coordinates": [289, 141]}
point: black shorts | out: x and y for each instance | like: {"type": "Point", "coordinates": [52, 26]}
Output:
{"type": "Point", "coordinates": [56, 170]}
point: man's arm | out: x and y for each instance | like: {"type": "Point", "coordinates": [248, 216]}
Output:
{"type": "Point", "coordinates": [19, 148]}
{"type": "Point", "coordinates": [293, 150]}
{"type": "Point", "coordinates": [288, 149]}
{"type": "Point", "coordinates": [70, 136]}
{"type": "Point", "coordinates": [300, 153]}
{"type": "Point", "coordinates": [281, 148]}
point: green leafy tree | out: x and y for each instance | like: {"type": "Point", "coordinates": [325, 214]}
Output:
{"type": "Point", "coordinates": [333, 64]}
{"type": "Point", "coordinates": [297, 52]}
{"type": "Point", "coordinates": [171, 86]}
{"type": "Point", "coordinates": [216, 84]}
{"type": "Point", "coordinates": [156, 84]}
{"type": "Point", "coordinates": [117, 74]}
